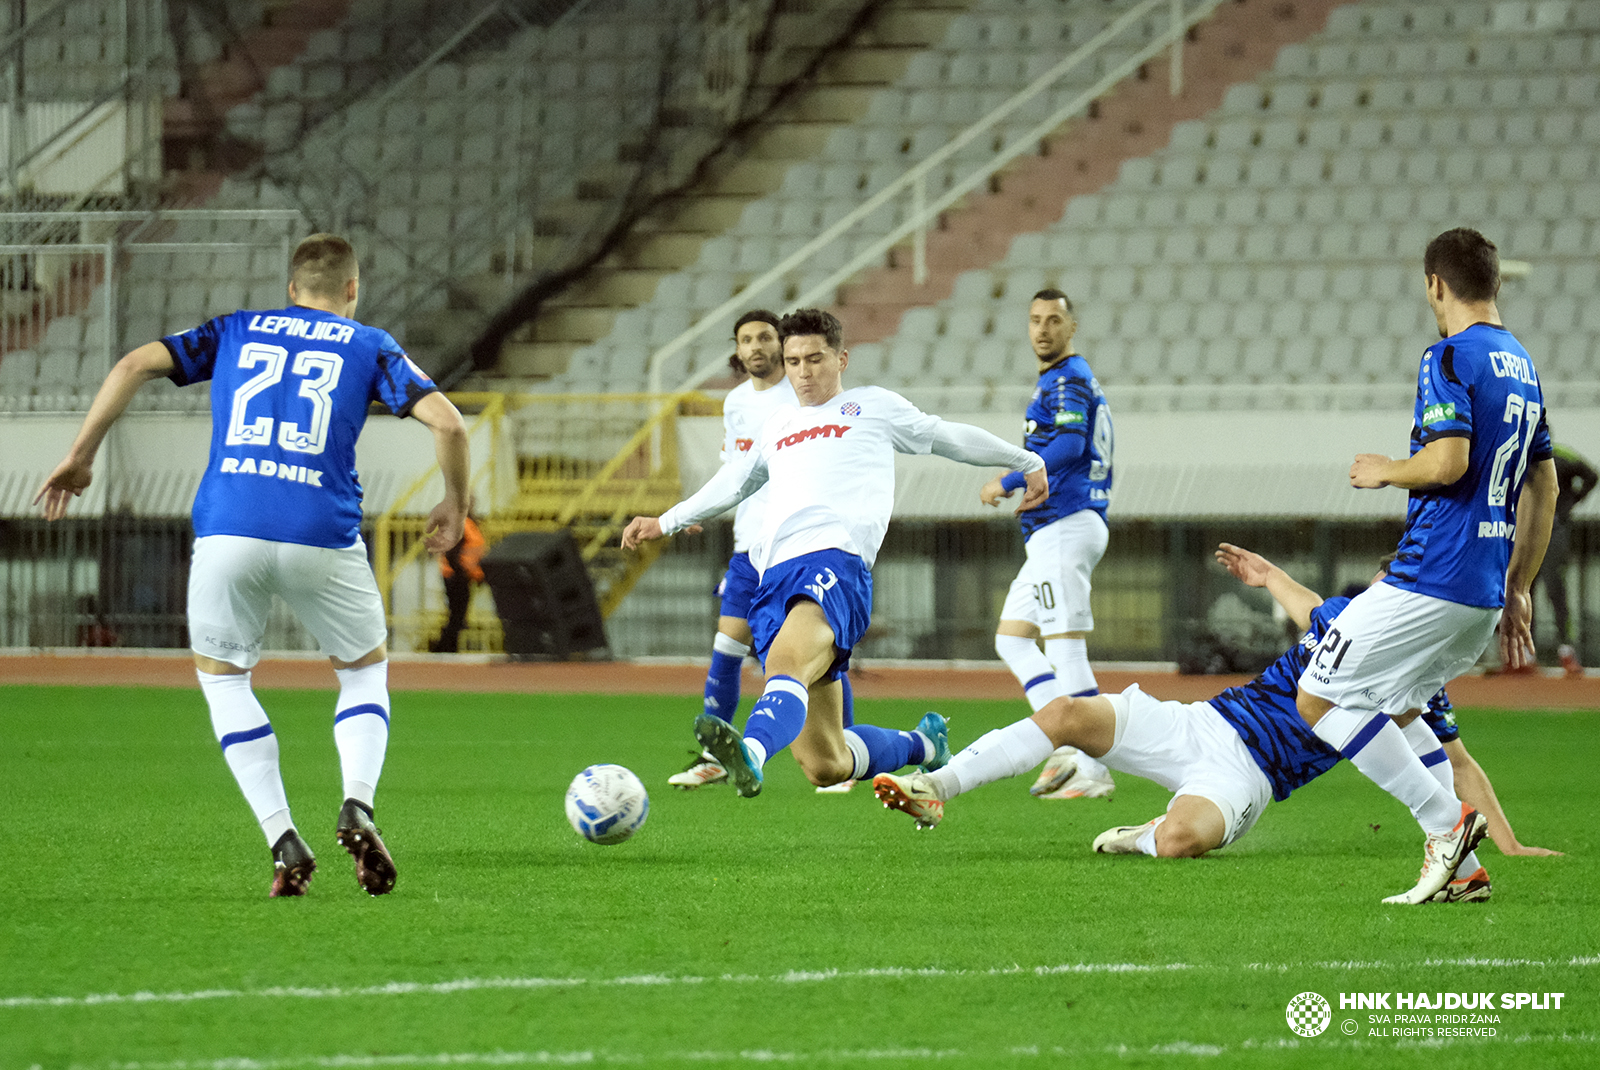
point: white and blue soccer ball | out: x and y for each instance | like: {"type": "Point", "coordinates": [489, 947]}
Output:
{"type": "Point", "coordinates": [607, 804]}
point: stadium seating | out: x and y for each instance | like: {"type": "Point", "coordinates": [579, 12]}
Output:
{"type": "Point", "coordinates": [1278, 240]}
{"type": "Point", "coordinates": [1275, 242]}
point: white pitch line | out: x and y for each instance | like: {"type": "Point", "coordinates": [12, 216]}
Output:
{"type": "Point", "coordinates": [481, 984]}
{"type": "Point", "coordinates": [1177, 1049]}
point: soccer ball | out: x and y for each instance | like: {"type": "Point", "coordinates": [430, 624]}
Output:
{"type": "Point", "coordinates": [607, 804]}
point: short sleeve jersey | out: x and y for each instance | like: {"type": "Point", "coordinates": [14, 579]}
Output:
{"type": "Point", "coordinates": [1263, 713]}
{"type": "Point", "coordinates": [744, 411]}
{"type": "Point", "coordinates": [289, 397]}
{"type": "Point", "coordinates": [1068, 401]}
{"type": "Point", "coordinates": [1480, 385]}
{"type": "Point", "coordinates": [832, 470]}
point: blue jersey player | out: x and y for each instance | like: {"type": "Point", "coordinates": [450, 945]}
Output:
{"type": "Point", "coordinates": [278, 512]}
{"type": "Point", "coordinates": [1225, 759]}
{"type": "Point", "coordinates": [1068, 424]}
{"type": "Point", "coordinates": [1483, 491]}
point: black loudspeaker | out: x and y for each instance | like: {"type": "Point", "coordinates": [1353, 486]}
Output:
{"type": "Point", "coordinates": [543, 596]}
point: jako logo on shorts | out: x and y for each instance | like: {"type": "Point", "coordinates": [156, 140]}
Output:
{"type": "Point", "coordinates": [825, 431]}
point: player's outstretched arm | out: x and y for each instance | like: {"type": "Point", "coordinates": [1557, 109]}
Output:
{"type": "Point", "coordinates": [72, 475]}
{"type": "Point", "coordinates": [1474, 788]}
{"type": "Point", "coordinates": [439, 415]}
{"type": "Point", "coordinates": [974, 445]}
{"type": "Point", "coordinates": [730, 485]}
{"type": "Point", "coordinates": [1438, 464]}
{"type": "Point", "coordinates": [1536, 511]}
{"type": "Point", "coordinates": [1256, 571]}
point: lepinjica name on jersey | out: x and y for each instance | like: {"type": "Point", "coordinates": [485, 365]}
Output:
{"type": "Point", "coordinates": [310, 330]}
{"type": "Point", "coordinates": [294, 473]}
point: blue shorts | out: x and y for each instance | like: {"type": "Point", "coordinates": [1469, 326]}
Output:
{"type": "Point", "coordinates": [839, 582]}
{"type": "Point", "coordinates": [738, 587]}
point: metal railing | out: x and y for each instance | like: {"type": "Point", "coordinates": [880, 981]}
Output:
{"type": "Point", "coordinates": [913, 183]}
{"type": "Point", "coordinates": [89, 270]}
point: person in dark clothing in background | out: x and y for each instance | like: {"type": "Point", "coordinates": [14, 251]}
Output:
{"type": "Point", "coordinates": [1575, 478]}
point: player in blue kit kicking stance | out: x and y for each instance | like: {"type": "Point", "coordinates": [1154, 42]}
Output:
{"type": "Point", "coordinates": [279, 512]}
{"type": "Point", "coordinates": [830, 463]}
{"type": "Point", "coordinates": [1483, 491]}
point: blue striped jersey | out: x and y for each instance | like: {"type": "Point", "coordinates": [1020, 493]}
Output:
{"type": "Point", "coordinates": [289, 396]}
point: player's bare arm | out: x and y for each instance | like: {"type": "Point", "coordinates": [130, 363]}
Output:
{"type": "Point", "coordinates": [1476, 790]}
{"type": "Point", "coordinates": [72, 476]}
{"type": "Point", "coordinates": [1036, 491]}
{"type": "Point", "coordinates": [991, 492]}
{"type": "Point", "coordinates": [437, 414]}
{"type": "Point", "coordinates": [1254, 570]}
{"type": "Point", "coordinates": [1536, 511]}
{"type": "Point", "coordinates": [1438, 464]}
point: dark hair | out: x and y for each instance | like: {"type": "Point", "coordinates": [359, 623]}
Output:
{"type": "Point", "coordinates": [1386, 560]}
{"type": "Point", "coordinates": [322, 264]}
{"type": "Point", "coordinates": [755, 315]}
{"type": "Point", "coordinates": [813, 321]}
{"type": "Point", "coordinates": [1050, 293]}
{"type": "Point", "coordinates": [1467, 262]}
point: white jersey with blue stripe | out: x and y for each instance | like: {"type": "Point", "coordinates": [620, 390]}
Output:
{"type": "Point", "coordinates": [1478, 384]}
{"type": "Point", "coordinates": [289, 395]}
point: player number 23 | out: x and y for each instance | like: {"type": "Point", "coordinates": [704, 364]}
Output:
{"type": "Point", "coordinates": [320, 375]}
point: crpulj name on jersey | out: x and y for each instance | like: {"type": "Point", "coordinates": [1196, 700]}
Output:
{"type": "Point", "coordinates": [825, 431]}
{"type": "Point", "coordinates": [1511, 366]}
{"type": "Point", "coordinates": [310, 330]}
{"type": "Point", "coordinates": [294, 473]}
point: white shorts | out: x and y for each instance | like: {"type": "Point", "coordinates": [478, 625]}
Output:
{"type": "Point", "coordinates": [232, 580]}
{"type": "Point", "coordinates": [1390, 650]}
{"type": "Point", "coordinates": [1052, 590]}
{"type": "Point", "coordinates": [1189, 749]}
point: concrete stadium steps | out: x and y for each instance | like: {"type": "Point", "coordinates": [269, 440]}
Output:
{"type": "Point", "coordinates": [192, 121]}
{"type": "Point", "coordinates": [1237, 44]}
{"type": "Point", "coordinates": [672, 238]}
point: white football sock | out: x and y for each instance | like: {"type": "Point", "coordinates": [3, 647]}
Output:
{"type": "Point", "coordinates": [1005, 752]}
{"type": "Point", "coordinates": [361, 728]}
{"type": "Point", "coordinates": [1146, 843]}
{"type": "Point", "coordinates": [1372, 743]}
{"type": "Point", "coordinates": [727, 644]}
{"type": "Point", "coordinates": [1031, 668]}
{"type": "Point", "coordinates": [250, 747]}
{"type": "Point", "coordinates": [1430, 752]}
{"type": "Point", "coordinates": [1071, 660]}
{"type": "Point", "coordinates": [757, 752]}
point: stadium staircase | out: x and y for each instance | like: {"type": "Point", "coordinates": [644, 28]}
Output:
{"type": "Point", "coordinates": [1239, 42]}
{"type": "Point", "coordinates": [564, 481]}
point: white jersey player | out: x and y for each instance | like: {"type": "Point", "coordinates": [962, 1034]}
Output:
{"type": "Point", "coordinates": [759, 354]}
{"type": "Point", "coordinates": [830, 463]}
{"type": "Point", "coordinates": [278, 512]}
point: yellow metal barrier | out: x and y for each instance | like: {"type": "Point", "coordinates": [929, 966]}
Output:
{"type": "Point", "coordinates": [585, 463]}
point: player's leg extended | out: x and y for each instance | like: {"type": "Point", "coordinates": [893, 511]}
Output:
{"type": "Point", "coordinates": [229, 597]}
{"type": "Point", "coordinates": [728, 650]}
{"type": "Point", "coordinates": [1192, 825]}
{"type": "Point", "coordinates": [1086, 723]}
{"type": "Point", "coordinates": [335, 596]}
{"type": "Point", "coordinates": [1471, 882]}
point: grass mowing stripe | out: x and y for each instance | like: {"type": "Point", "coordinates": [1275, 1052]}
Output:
{"type": "Point", "coordinates": [475, 984]}
{"type": "Point", "coordinates": [1176, 1049]}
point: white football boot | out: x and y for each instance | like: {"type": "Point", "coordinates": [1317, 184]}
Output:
{"type": "Point", "coordinates": [1442, 855]}
{"type": "Point", "coordinates": [1062, 779]}
{"type": "Point", "coordinates": [703, 769]}
{"type": "Point", "coordinates": [912, 794]}
{"type": "Point", "coordinates": [1124, 839]}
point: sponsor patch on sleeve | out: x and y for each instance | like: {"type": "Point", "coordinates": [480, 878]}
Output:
{"type": "Point", "coordinates": [1442, 411]}
{"type": "Point", "coordinates": [1070, 417]}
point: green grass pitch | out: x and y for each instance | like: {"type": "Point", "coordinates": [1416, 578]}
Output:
{"type": "Point", "coordinates": [796, 928]}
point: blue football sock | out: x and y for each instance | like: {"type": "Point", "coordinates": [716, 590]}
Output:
{"type": "Point", "coordinates": [882, 750]}
{"type": "Point", "coordinates": [849, 701]}
{"type": "Point", "coordinates": [778, 715]}
{"type": "Point", "coordinates": [722, 681]}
